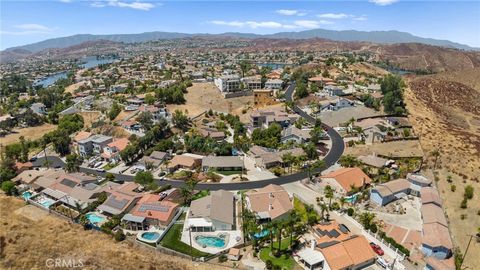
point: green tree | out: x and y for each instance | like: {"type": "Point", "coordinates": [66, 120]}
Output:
{"type": "Point", "coordinates": [114, 110]}
{"type": "Point", "coordinates": [146, 120]}
{"type": "Point", "coordinates": [73, 162]}
{"type": "Point", "coordinates": [180, 120]}
{"type": "Point", "coordinates": [9, 188]}
{"type": "Point", "coordinates": [144, 178]}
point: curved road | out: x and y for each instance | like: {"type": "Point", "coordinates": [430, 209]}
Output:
{"type": "Point", "coordinates": [331, 158]}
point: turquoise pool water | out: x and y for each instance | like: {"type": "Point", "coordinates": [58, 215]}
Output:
{"type": "Point", "coordinates": [152, 236]}
{"type": "Point", "coordinates": [46, 202]}
{"type": "Point", "coordinates": [261, 234]}
{"type": "Point", "coordinates": [210, 241]}
{"type": "Point", "coordinates": [94, 218]}
{"type": "Point", "coordinates": [26, 195]}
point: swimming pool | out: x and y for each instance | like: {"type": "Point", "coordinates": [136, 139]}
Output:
{"type": "Point", "coordinates": [94, 218]}
{"type": "Point", "coordinates": [44, 201]}
{"type": "Point", "coordinates": [211, 241]}
{"type": "Point", "coordinates": [152, 236]}
{"type": "Point", "coordinates": [27, 195]}
{"type": "Point", "coordinates": [261, 234]}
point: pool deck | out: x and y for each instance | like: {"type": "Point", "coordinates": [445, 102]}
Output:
{"type": "Point", "coordinates": [140, 238]}
{"type": "Point", "coordinates": [212, 250]}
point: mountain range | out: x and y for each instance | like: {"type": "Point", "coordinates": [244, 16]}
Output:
{"type": "Point", "coordinates": [382, 37]}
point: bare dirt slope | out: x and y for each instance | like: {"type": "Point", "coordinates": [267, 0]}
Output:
{"type": "Point", "coordinates": [445, 112]}
{"type": "Point", "coordinates": [29, 239]}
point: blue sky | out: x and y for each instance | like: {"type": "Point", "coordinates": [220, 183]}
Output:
{"type": "Point", "coordinates": [24, 22]}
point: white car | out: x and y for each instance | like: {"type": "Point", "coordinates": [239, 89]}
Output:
{"type": "Point", "coordinates": [383, 262]}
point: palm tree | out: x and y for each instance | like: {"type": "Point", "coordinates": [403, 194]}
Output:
{"type": "Point", "coordinates": [287, 159]}
{"type": "Point", "coordinates": [342, 202]}
{"type": "Point", "coordinates": [291, 222]}
{"type": "Point", "coordinates": [271, 226]}
{"type": "Point", "coordinates": [328, 190]}
{"type": "Point", "coordinates": [435, 153]}
{"type": "Point", "coordinates": [366, 218]}
{"type": "Point", "coordinates": [279, 236]}
{"type": "Point", "coordinates": [323, 208]}
{"type": "Point", "coordinates": [187, 190]}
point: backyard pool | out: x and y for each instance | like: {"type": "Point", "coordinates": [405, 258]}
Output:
{"type": "Point", "coordinates": [94, 218]}
{"type": "Point", "coordinates": [152, 236]}
{"type": "Point", "coordinates": [211, 241]}
{"type": "Point", "coordinates": [26, 195]}
{"type": "Point", "coordinates": [44, 201]}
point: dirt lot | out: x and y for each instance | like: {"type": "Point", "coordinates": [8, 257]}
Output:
{"type": "Point", "coordinates": [71, 88]}
{"type": "Point", "coordinates": [205, 96]}
{"type": "Point", "coordinates": [334, 118]}
{"type": "Point", "coordinates": [393, 149]}
{"type": "Point", "coordinates": [29, 243]}
{"type": "Point", "coordinates": [90, 117]}
{"type": "Point", "coordinates": [444, 112]}
{"type": "Point", "coordinates": [31, 133]}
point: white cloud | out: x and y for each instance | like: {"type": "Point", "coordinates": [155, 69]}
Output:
{"type": "Point", "coordinates": [334, 15]}
{"type": "Point", "coordinates": [291, 12]}
{"type": "Point", "coordinates": [28, 29]}
{"type": "Point", "coordinates": [383, 2]}
{"type": "Point", "coordinates": [360, 18]}
{"type": "Point", "coordinates": [32, 27]}
{"type": "Point", "coordinates": [249, 24]}
{"type": "Point", "coordinates": [272, 25]}
{"type": "Point", "coordinates": [115, 3]}
{"type": "Point", "coordinates": [311, 23]}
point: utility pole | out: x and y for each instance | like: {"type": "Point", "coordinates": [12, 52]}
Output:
{"type": "Point", "coordinates": [466, 250]}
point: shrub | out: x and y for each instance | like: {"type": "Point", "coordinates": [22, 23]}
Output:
{"type": "Point", "coordinates": [373, 228]}
{"type": "Point", "coordinates": [453, 188]}
{"type": "Point", "coordinates": [463, 216]}
{"type": "Point", "coordinates": [468, 192]}
{"type": "Point", "coordinates": [394, 243]}
{"type": "Point", "coordinates": [350, 211]}
{"type": "Point", "coordinates": [464, 205]}
{"type": "Point", "coordinates": [9, 188]}
{"type": "Point", "coordinates": [269, 264]}
{"type": "Point", "coordinates": [119, 236]}
{"type": "Point", "coordinates": [222, 258]}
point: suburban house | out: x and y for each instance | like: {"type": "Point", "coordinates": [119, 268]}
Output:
{"type": "Point", "coordinates": [154, 159]}
{"type": "Point", "coordinates": [150, 210]}
{"type": "Point", "coordinates": [346, 180]}
{"type": "Point", "coordinates": [333, 90]}
{"type": "Point", "coordinates": [320, 81]}
{"type": "Point", "coordinates": [39, 108]}
{"type": "Point", "coordinates": [353, 253]}
{"type": "Point", "coordinates": [93, 144]}
{"type": "Point", "coordinates": [385, 193]}
{"type": "Point", "coordinates": [337, 104]}
{"type": "Point", "coordinates": [263, 97]}
{"type": "Point", "coordinates": [212, 133]}
{"type": "Point", "coordinates": [228, 83]}
{"type": "Point", "coordinates": [274, 84]}
{"type": "Point", "coordinates": [222, 163]}
{"type": "Point", "coordinates": [158, 112]}
{"type": "Point", "coordinates": [268, 158]}
{"type": "Point", "coordinates": [436, 241]}
{"type": "Point", "coordinates": [296, 135]}
{"type": "Point", "coordinates": [183, 162]}
{"type": "Point", "coordinates": [252, 83]}
{"type": "Point", "coordinates": [121, 198]}
{"type": "Point", "coordinates": [264, 118]}
{"type": "Point", "coordinates": [269, 203]}
{"type": "Point", "coordinates": [80, 136]}
{"type": "Point", "coordinates": [213, 212]}
{"type": "Point", "coordinates": [111, 152]}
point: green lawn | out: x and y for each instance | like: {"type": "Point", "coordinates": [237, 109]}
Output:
{"type": "Point", "coordinates": [172, 241]}
{"type": "Point", "coordinates": [285, 261]}
{"type": "Point", "coordinates": [201, 194]}
{"type": "Point", "coordinates": [109, 166]}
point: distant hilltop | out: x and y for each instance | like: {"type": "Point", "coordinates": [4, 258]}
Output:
{"type": "Point", "coordinates": [382, 37]}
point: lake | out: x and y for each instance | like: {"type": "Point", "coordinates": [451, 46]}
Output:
{"type": "Point", "coordinates": [50, 80]}
{"type": "Point", "coordinates": [88, 62]}
{"type": "Point", "coordinates": [93, 61]}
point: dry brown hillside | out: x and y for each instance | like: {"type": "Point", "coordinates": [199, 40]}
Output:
{"type": "Point", "coordinates": [445, 111]}
{"type": "Point", "coordinates": [29, 237]}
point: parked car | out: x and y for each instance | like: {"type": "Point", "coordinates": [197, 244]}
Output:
{"type": "Point", "coordinates": [33, 159]}
{"type": "Point", "coordinates": [162, 175]}
{"type": "Point", "coordinates": [98, 164]}
{"type": "Point", "coordinates": [382, 262]}
{"type": "Point", "coordinates": [377, 249]}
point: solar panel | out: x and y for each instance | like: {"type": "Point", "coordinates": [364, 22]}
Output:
{"type": "Point", "coordinates": [68, 183]}
{"type": "Point", "coordinates": [327, 244]}
{"type": "Point", "coordinates": [343, 228]}
{"type": "Point", "coordinates": [333, 233]}
{"type": "Point", "coordinates": [320, 232]}
{"type": "Point", "coordinates": [153, 207]}
{"type": "Point", "coordinates": [118, 204]}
